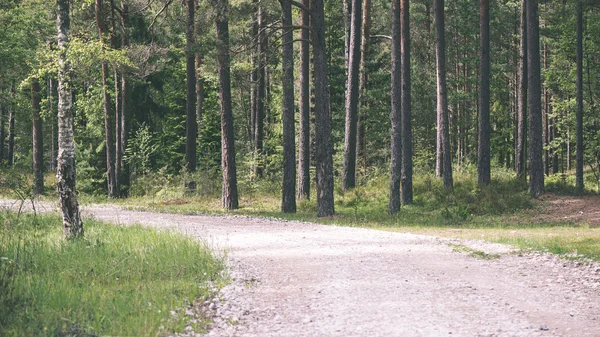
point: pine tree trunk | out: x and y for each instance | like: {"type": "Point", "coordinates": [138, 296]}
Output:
{"type": "Point", "coordinates": [2, 135]}
{"type": "Point", "coordinates": [396, 115]}
{"type": "Point", "coordinates": [124, 178]}
{"type": "Point", "coordinates": [520, 157]}
{"type": "Point", "coordinates": [38, 138]}
{"type": "Point", "coordinates": [579, 60]}
{"type": "Point", "coordinates": [110, 161]}
{"type": "Point", "coordinates": [65, 172]}
{"type": "Point", "coordinates": [229, 189]}
{"type": "Point", "coordinates": [11, 131]}
{"type": "Point", "coordinates": [364, 77]}
{"type": "Point", "coordinates": [288, 201]}
{"type": "Point", "coordinates": [191, 126]}
{"type": "Point", "coordinates": [259, 132]}
{"type": "Point", "coordinates": [323, 144]}
{"type": "Point", "coordinates": [304, 132]}
{"type": "Point", "coordinates": [347, 32]}
{"type": "Point", "coordinates": [483, 153]}
{"type": "Point", "coordinates": [254, 79]}
{"type": "Point", "coordinates": [536, 169]}
{"type": "Point", "coordinates": [407, 161]}
{"type": "Point", "coordinates": [444, 157]}
{"type": "Point", "coordinates": [352, 87]}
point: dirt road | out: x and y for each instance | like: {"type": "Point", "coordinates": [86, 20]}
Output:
{"type": "Point", "coordinates": [301, 279]}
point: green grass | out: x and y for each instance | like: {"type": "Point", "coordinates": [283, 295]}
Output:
{"type": "Point", "coordinates": [115, 281]}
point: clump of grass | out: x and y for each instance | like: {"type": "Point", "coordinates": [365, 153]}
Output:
{"type": "Point", "coordinates": [115, 281]}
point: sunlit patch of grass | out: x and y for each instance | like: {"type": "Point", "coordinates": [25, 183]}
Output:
{"type": "Point", "coordinates": [115, 281]}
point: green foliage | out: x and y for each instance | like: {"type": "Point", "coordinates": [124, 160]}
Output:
{"type": "Point", "coordinates": [116, 281]}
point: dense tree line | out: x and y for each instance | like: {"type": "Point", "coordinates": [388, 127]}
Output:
{"type": "Point", "coordinates": [257, 90]}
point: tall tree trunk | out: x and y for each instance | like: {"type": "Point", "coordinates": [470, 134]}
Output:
{"type": "Point", "coordinates": [114, 44]}
{"type": "Point", "coordinates": [288, 201]}
{"type": "Point", "coordinates": [323, 144]}
{"type": "Point", "coordinates": [396, 115]}
{"type": "Point", "coordinates": [304, 132]}
{"type": "Point", "coordinates": [536, 169]}
{"type": "Point", "coordinates": [520, 157]}
{"type": "Point", "coordinates": [52, 120]}
{"type": "Point", "coordinates": [483, 154]}
{"type": "Point", "coordinates": [352, 82]}
{"type": "Point", "coordinates": [579, 152]}
{"type": "Point", "coordinates": [110, 156]}
{"type": "Point", "coordinates": [199, 78]}
{"type": "Point", "coordinates": [38, 138]}
{"type": "Point", "coordinates": [444, 156]}
{"type": "Point", "coordinates": [229, 189]}
{"type": "Point", "coordinates": [65, 172]}
{"type": "Point", "coordinates": [2, 135]}
{"type": "Point", "coordinates": [191, 127]}
{"type": "Point", "coordinates": [254, 78]}
{"type": "Point", "coordinates": [259, 132]}
{"type": "Point", "coordinates": [124, 178]}
{"type": "Point", "coordinates": [347, 32]}
{"type": "Point", "coordinates": [407, 160]}
{"type": "Point", "coordinates": [364, 77]}
{"type": "Point", "coordinates": [11, 135]}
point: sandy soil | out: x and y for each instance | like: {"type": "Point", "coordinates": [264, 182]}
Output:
{"type": "Point", "coordinates": [576, 209]}
{"type": "Point", "coordinates": [302, 279]}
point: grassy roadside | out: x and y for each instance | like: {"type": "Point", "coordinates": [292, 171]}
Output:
{"type": "Point", "coordinates": [125, 281]}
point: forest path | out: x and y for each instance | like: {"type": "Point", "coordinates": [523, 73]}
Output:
{"type": "Point", "coordinates": [303, 279]}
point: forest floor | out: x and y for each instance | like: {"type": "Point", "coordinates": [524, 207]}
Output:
{"type": "Point", "coordinates": [292, 278]}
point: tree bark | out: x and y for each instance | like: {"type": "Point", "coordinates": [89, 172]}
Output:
{"type": "Point", "coordinates": [483, 153]}
{"type": "Point", "coordinates": [288, 201]}
{"type": "Point", "coordinates": [304, 132]}
{"type": "Point", "coordinates": [347, 29]}
{"type": "Point", "coordinates": [364, 77]}
{"type": "Point", "coordinates": [110, 156]}
{"type": "Point", "coordinates": [38, 138]}
{"type": "Point", "coordinates": [124, 177]}
{"type": "Point", "coordinates": [396, 115]}
{"type": "Point", "coordinates": [407, 161]}
{"type": "Point", "coordinates": [229, 189]}
{"type": "Point", "coordinates": [352, 91]}
{"type": "Point", "coordinates": [259, 133]}
{"type": "Point", "coordinates": [65, 172]}
{"type": "Point", "coordinates": [579, 185]}
{"type": "Point", "coordinates": [536, 169]}
{"type": "Point", "coordinates": [191, 126]}
{"type": "Point", "coordinates": [323, 145]}
{"type": "Point", "coordinates": [11, 133]}
{"type": "Point", "coordinates": [444, 157]}
{"type": "Point", "coordinates": [520, 157]}
{"type": "Point", "coordinates": [2, 135]}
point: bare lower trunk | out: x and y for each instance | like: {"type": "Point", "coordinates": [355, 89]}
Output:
{"type": "Point", "coordinates": [406, 181]}
{"type": "Point", "coordinates": [38, 138]}
{"type": "Point", "coordinates": [579, 151]}
{"type": "Point", "coordinates": [65, 172]}
{"type": "Point", "coordinates": [396, 115]}
{"type": "Point", "coordinates": [520, 156]}
{"type": "Point", "coordinates": [444, 157]}
{"type": "Point", "coordinates": [229, 188]}
{"type": "Point", "coordinates": [259, 132]}
{"type": "Point", "coordinates": [118, 145]}
{"type": "Point", "coordinates": [110, 156]}
{"type": "Point", "coordinates": [483, 153]}
{"type": "Point", "coordinates": [191, 127]}
{"type": "Point", "coordinates": [304, 132]}
{"type": "Point", "coordinates": [11, 136]}
{"type": "Point", "coordinates": [323, 145]}
{"type": "Point", "coordinates": [2, 134]}
{"type": "Point", "coordinates": [361, 142]}
{"type": "Point", "coordinates": [352, 88]}
{"type": "Point", "coordinates": [536, 169]}
{"type": "Point", "coordinates": [288, 202]}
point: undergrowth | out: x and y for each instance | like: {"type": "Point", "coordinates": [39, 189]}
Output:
{"type": "Point", "coordinates": [125, 281]}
